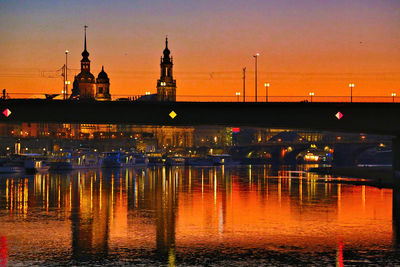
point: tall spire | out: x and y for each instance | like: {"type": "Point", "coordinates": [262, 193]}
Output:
{"type": "Point", "coordinates": [166, 50]}
{"type": "Point", "coordinates": [85, 27]}
{"type": "Point", "coordinates": [85, 53]}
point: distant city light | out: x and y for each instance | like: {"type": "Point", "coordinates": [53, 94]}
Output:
{"type": "Point", "coordinates": [311, 94]}
{"type": "Point", "coordinates": [147, 93]}
{"type": "Point", "coordinates": [351, 85]}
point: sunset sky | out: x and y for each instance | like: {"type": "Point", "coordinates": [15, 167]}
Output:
{"type": "Point", "coordinates": [304, 45]}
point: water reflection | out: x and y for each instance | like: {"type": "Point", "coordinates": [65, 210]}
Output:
{"type": "Point", "coordinates": [186, 215]}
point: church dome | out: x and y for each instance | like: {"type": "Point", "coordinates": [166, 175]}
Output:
{"type": "Point", "coordinates": [102, 74]}
{"type": "Point", "coordinates": [166, 50]}
{"type": "Point", "coordinates": [85, 54]}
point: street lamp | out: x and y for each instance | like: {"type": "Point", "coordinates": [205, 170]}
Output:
{"type": "Point", "coordinates": [237, 94]}
{"type": "Point", "coordinates": [255, 73]}
{"type": "Point", "coordinates": [266, 91]}
{"type": "Point", "coordinates": [66, 74]}
{"type": "Point", "coordinates": [351, 85]}
{"type": "Point", "coordinates": [311, 94]}
{"type": "Point", "coordinates": [393, 95]}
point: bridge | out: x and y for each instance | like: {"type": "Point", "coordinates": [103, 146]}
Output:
{"type": "Point", "coordinates": [376, 118]}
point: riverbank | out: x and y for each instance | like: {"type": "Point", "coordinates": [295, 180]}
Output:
{"type": "Point", "coordinates": [374, 176]}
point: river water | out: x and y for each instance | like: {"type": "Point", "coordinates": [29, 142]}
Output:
{"type": "Point", "coordinates": [208, 216]}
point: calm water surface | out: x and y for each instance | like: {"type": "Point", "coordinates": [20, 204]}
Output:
{"type": "Point", "coordinates": [247, 215]}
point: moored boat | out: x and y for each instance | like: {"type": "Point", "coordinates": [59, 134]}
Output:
{"type": "Point", "coordinates": [175, 161]}
{"type": "Point", "coordinates": [199, 161]}
{"type": "Point", "coordinates": [61, 161]}
{"type": "Point", "coordinates": [111, 160]}
{"type": "Point", "coordinates": [8, 166]}
{"type": "Point", "coordinates": [141, 159]}
{"type": "Point", "coordinates": [127, 160]}
{"type": "Point", "coordinates": [223, 159]}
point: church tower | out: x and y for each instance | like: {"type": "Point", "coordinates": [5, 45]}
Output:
{"type": "Point", "coordinates": [84, 84]}
{"type": "Point", "coordinates": [103, 86]}
{"type": "Point", "coordinates": [166, 85]}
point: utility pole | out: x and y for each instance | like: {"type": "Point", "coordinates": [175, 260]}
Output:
{"type": "Point", "coordinates": [255, 76]}
{"type": "Point", "coordinates": [63, 74]}
{"type": "Point", "coordinates": [66, 75]}
{"type": "Point", "coordinates": [244, 84]}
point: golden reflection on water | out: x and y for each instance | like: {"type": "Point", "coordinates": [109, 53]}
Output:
{"type": "Point", "coordinates": [169, 210]}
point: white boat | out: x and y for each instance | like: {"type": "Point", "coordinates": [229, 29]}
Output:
{"type": "Point", "coordinates": [33, 165]}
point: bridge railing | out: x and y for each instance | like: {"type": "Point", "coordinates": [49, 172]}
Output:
{"type": "Point", "coordinates": [225, 98]}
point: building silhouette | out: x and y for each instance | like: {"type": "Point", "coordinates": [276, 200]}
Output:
{"type": "Point", "coordinates": [166, 85]}
{"type": "Point", "coordinates": [85, 85]}
{"type": "Point", "coordinates": [103, 86]}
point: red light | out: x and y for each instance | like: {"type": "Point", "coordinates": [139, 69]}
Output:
{"type": "Point", "coordinates": [235, 130]}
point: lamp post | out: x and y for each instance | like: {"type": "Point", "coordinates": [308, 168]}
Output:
{"type": "Point", "coordinates": [311, 94]}
{"type": "Point", "coordinates": [266, 91]}
{"type": "Point", "coordinates": [66, 88]}
{"type": "Point", "coordinates": [393, 95]}
{"type": "Point", "coordinates": [237, 95]}
{"type": "Point", "coordinates": [66, 75]}
{"type": "Point", "coordinates": [255, 73]}
{"type": "Point", "coordinates": [351, 85]}
{"type": "Point", "coordinates": [244, 84]}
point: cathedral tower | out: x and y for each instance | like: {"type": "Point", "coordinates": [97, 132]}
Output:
{"type": "Point", "coordinates": [84, 84]}
{"type": "Point", "coordinates": [166, 85]}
